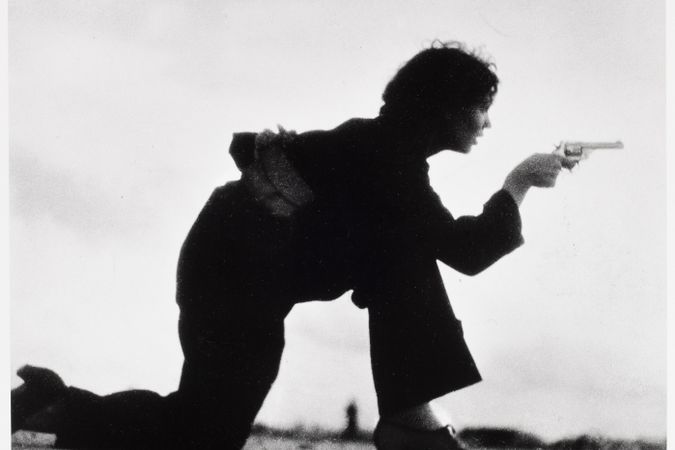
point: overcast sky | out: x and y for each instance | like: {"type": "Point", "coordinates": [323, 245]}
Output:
{"type": "Point", "coordinates": [121, 114]}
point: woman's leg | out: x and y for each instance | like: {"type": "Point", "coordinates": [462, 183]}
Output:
{"type": "Point", "coordinates": [232, 335]}
{"type": "Point", "coordinates": [233, 304]}
{"type": "Point", "coordinates": [232, 357]}
{"type": "Point", "coordinates": [81, 419]}
{"type": "Point", "coordinates": [231, 360]}
{"type": "Point", "coordinates": [418, 352]}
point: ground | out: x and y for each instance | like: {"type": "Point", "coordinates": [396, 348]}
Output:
{"type": "Point", "coordinates": [23, 440]}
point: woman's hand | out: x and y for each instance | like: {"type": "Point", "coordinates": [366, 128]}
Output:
{"type": "Point", "coordinates": [539, 170]}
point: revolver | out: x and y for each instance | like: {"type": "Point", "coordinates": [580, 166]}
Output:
{"type": "Point", "coordinates": [577, 150]}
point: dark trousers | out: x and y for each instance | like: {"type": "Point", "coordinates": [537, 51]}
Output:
{"type": "Point", "coordinates": [234, 290]}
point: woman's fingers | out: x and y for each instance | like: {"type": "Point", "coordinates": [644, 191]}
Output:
{"type": "Point", "coordinates": [542, 169]}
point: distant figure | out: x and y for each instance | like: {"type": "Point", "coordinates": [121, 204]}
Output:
{"type": "Point", "coordinates": [313, 216]}
{"type": "Point", "coordinates": [351, 430]}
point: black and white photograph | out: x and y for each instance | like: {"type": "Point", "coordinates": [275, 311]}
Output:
{"type": "Point", "coordinates": [378, 224]}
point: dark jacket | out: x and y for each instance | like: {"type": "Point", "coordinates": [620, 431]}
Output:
{"type": "Point", "coordinates": [373, 200]}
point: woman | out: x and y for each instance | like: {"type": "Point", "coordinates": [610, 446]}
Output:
{"type": "Point", "coordinates": [314, 216]}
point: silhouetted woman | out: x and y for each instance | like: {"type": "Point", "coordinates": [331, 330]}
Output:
{"type": "Point", "coordinates": [313, 216]}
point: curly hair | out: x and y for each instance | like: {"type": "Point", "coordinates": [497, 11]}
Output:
{"type": "Point", "coordinates": [444, 77]}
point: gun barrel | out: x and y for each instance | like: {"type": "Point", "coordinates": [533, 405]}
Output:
{"type": "Point", "coordinates": [598, 145]}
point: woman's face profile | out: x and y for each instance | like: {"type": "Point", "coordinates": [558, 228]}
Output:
{"type": "Point", "coordinates": [460, 130]}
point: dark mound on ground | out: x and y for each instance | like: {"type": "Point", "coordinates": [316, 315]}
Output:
{"type": "Point", "coordinates": [499, 438]}
{"type": "Point", "coordinates": [586, 442]}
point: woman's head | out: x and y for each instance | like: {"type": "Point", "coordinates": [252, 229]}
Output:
{"type": "Point", "coordinates": [443, 79]}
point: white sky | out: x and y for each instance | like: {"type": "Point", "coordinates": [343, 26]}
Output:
{"type": "Point", "coordinates": [120, 118]}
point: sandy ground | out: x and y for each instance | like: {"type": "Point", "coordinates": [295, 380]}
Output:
{"type": "Point", "coordinates": [23, 440]}
{"type": "Point", "coordinates": [260, 442]}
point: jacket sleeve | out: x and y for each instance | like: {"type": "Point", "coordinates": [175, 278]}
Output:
{"type": "Point", "coordinates": [470, 244]}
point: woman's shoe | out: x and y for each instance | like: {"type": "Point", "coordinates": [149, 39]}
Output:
{"type": "Point", "coordinates": [41, 388]}
{"type": "Point", "coordinates": [393, 436]}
